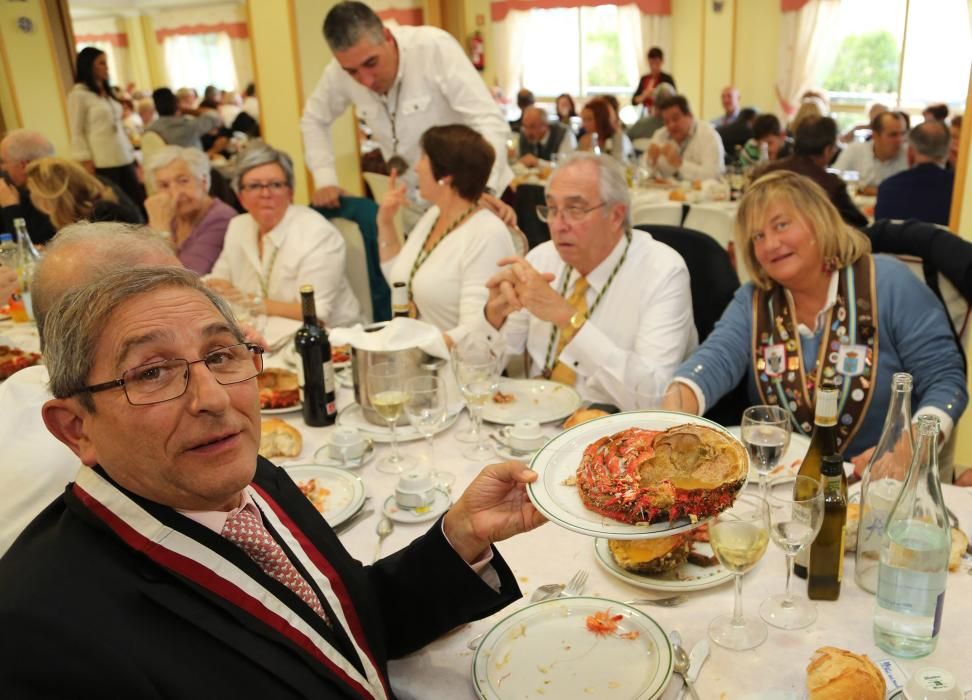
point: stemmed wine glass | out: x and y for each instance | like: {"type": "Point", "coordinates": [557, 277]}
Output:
{"type": "Point", "coordinates": [386, 392]}
{"type": "Point", "coordinates": [477, 366]}
{"type": "Point", "coordinates": [426, 410]}
{"type": "Point", "coordinates": [796, 511]}
{"type": "Point", "coordinates": [766, 435]}
{"type": "Point", "coordinates": [738, 537]}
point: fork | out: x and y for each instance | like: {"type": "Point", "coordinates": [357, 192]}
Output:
{"type": "Point", "coordinates": [576, 584]}
{"type": "Point", "coordinates": [669, 602]}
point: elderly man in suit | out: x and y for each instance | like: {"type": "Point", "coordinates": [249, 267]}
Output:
{"type": "Point", "coordinates": [543, 141]}
{"type": "Point", "coordinates": [204, 563]}
{"type": "Point", "coordinates": [924, 191]}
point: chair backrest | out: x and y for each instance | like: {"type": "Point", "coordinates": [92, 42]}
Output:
{"type": "Point", "coordinates": [717, 223]}
{"type": "Point", "coordinates": [356, 265]}
{"type": "Point", "coordinates": [520, 243]}
{"type": "Point", "coordinates": [667, 214]}
{"type": "Point", "coordinates": [151, 144]}
{"type": "Point", "coordinates": [379, 186]}
{"type": "Point", "coordinates": [956, 305]}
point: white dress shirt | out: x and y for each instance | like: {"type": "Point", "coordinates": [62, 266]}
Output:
{"type": "Point", "coordinates": [436, 85]}
{"type": "Point", "coordinates": [859, 156]}
{"type": "Point", "coordinates": [304, 248]}
{"type": "Point", "coordinates": [703, 156]}
{"type": "Point", "coordinates": [97, 133]}
{"type": "Point", "coordinates": [34, 465]}
{"type": "Point", "coordinates": [637, 336]}
{"type": "Point", "coordinates": [449, 288]}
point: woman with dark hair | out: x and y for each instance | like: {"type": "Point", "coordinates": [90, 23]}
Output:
{"type": "Point", "coordinates": [644, 93]}
{"type": "Point", "coordinates": [98, 139]}
{"type": "Point", "coordinates": [565, 108]}
{"type": "Point", "coordinates": [600, 118]}
{"type": "Point", "coordinates": [455, 246]}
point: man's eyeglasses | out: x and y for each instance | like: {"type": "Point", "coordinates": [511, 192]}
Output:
{"type": "Point", "coordinates": [163, 381]}
{"type": "Point", "coordinates": [256, 187]}
{"type": "Point", "coordinates": [571, 213]}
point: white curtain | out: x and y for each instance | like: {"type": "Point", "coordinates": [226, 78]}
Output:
{"type": "Point", "coordinates": [656, 30]}
{"type": "Point", "coordinates": [510, 36]}
{"type": "Point", "coordinates": [242, 62]}
{"type": "Point", "coordinates": [198, 60]}
{"type": "Point", "coordinates": [801, 49]}
{"type": "Point", "coordinates": [630, 34]}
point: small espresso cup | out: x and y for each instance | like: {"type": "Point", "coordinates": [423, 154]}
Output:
{"type": "Point", "coordinates": [415, 489]}
{"type": "Point", "coordinates": [346, 442]}
{"type": "Point", "coordinates": [525, 435]}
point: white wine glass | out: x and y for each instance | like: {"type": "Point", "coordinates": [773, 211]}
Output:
{"type": "Point", "coordinates": [738, 536]}
{"type": "Point", "coordinates": [386, 392]}
{"type": "Point", "coordinates": [476, 366]}
{"type": "Point", "coordinates": [766, 434]}
{"type": "Point", "coordinates": [426, 411]}
{"type": "Point", "coordinates": [796, 510]}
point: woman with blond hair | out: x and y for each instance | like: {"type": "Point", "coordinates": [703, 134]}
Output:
{"type": "Point", "coordinates": [67, 193]}
{"type": "Point", "coordinates": [822, 308]}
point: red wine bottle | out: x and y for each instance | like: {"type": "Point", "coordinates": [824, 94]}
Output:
{"type": "Point", "coordinates": [315, 373]}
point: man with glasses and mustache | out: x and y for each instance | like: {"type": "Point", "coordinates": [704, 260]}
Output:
{"type": "Point", "coordinates": [600, 306]}
{"type": "Point", "coordinates": [181, 564]}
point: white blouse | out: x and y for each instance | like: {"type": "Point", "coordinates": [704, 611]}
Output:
{"type": "Point", "coordinates": [304, 248]}
{"type": "Point", "coordinates": [97, 133]}
{"type": "Point", "coordinates": [449, 288]}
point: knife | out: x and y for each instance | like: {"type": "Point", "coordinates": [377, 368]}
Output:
{"type": "Point", "coordinates": [697, 657]}
{"type": "Point", "coordinates": [352, 521]}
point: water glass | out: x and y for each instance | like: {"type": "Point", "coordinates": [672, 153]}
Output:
{"type": "Point", "coordinates": [766, 434]}
{"type": "Point", "coordinates": [426, 411]}
{"type": "Point", "coordinates": [477, 368]}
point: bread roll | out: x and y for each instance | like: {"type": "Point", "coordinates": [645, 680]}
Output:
{"type": "Point", "coordinates": [279, 439]}
{"type": "Point", "coordinates": [959, 543]}
{"type": "Point", "coordinates": [582, 415]}
{"type": "Point", "coordinates": [837, 674]}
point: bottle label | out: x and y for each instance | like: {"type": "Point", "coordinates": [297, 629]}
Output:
{"type": "Point", "coordinates": [917, 593]}
{"type": "Point", "coordinates": [328, 377]}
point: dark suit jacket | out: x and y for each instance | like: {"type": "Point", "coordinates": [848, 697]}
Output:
{"type": "Point", "coordinates": [543, 151]}
{"type": "Point", "coordinates": [834, 187]}
{"type": "Point", "coordinates": [84, 615]}
{"type": "Point", "coordinates": [665, 78]}
{"type": "Point", "coordinates": [924, 192]}
{"type": "Point", "coordinates": [39, 225]}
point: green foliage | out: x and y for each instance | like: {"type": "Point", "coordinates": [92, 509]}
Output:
{"type": "Point", "coordinates": [602, 56]}
{"type": "Point", "coordinates": [865, 63]}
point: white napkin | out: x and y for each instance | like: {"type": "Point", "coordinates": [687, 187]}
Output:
{"type": "Point", "coordinates": [398, 334]}
{"type": "Point", "coordinates": [279, 328]}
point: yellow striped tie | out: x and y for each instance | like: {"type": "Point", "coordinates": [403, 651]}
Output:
{"type": "Point", "coordinates": [561, 372]}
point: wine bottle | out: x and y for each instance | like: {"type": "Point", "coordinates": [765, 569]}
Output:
{"type": "Point", "coordinates": [882, 481]}
{"type": "Point", "coordinates": [827, 550]}
{"type": "Point", "coordinates": [315, 373]}
{"type": "Point", "coordinates": [823, 442]}
{"type": "Point", "coordinates": [399, 300]}
{"type": "Point", "coordinates": [914, 556]}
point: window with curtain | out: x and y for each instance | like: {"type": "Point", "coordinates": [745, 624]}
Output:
{"type": "Point", "coordinates": [581, 51]}
{"type": "Point", "coordinates": [198, 60]}
{"type": "Point", "coordinates": [893, 54]}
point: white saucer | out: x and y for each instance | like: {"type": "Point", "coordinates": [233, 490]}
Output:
{"type": "Point", "coordinates": [322, 456]}
{"type": "Point", "coordinates": [417, 515]}
{"type": "Point", "coordinates": [506, 453]}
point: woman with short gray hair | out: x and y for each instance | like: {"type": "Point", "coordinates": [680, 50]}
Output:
{"type": "Point", "coordinates": [277, 246]}
{"type": "Point", "coordinates": [182, 207]}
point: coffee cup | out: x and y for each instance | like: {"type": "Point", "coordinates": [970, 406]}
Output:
{"type": "Point", "coordinates": [525, 435]}
{"type": "Point", "coordinates": [346, 442]}
{"type": "Point", "coordinates": [415, 489]}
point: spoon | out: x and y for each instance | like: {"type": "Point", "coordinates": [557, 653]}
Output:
{"type": "Point", "coordinates": [385, 527]}
{"type": "Point", "coordinates": [681, 660]}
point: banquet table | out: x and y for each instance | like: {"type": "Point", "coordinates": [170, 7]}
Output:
{"type": "Point", "coordinates": [776, 669]}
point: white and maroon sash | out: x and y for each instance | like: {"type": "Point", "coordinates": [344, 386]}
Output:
{"type": "Point", "coordinates": [208, 569]}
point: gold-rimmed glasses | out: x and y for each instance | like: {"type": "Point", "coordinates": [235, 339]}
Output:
{"type": "Point", "coordinates": [571, 213]}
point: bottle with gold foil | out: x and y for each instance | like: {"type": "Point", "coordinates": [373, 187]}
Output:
{"type": "Point", "coordinates": [827, 551]}
{"type": "Point", "coordinates": [400, 305]}
{"type": "Point", "coordinates": [823, 442]}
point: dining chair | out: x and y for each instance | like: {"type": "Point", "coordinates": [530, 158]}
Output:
{"type": "Point", "coordinates": [151, 144]}
{"type": "Point", "coordinates": [666, 214]}
{"type": "Point", "coordinates": [356, 265]}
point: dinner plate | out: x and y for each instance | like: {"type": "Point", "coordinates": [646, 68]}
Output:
{"type": "Point", "coordinates": [557, 462]}
{"type": "Point", "coordinates": [347, 490]}
{"type": "Point", "coordinates": [422, 514]}
{"type": "Point", "coordinates": [687, 577]}
{"type": "Point", "coordinates": [547, 650]}
{"type": "Point", "coordinates": [538, 399]}
{"type": "Point", "coordinates": [351, 415]}
{"type": "Point", "coordinates": [283, 409]}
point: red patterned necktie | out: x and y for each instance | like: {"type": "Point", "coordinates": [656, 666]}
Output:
{"type": "Point", "coordinates": [247, 532]}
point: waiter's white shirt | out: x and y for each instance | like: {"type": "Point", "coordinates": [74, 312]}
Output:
{"type": "Point", "coordinates": [703, 157]}
{"type": "Point", "coordinates": [438, 86]}
{"type": "Point", "coordinates": [637, 336]}
{"type": "Point", "coordinates": [309, 250]}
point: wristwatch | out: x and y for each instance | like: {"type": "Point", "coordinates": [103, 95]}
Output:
{"type": "Point", "coordinates": [577, 320]}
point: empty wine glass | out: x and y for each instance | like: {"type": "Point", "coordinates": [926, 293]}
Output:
{"type": "Point", "coordinates": [426, 410]}
{"type": "Point", "coordinates": [766, 434]}
{"type": "Point", "coordinates": [648, 395]}
{"type": "Point", "coordinates": [476, 366]}
{"type": "Point", "coordinates": [796, 512]}
{"type": "Point", "coordinates": [386, 392]}
{"type": "Point", "coordinates": [738, 537]}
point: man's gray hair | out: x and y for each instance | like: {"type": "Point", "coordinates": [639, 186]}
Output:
{"type": "Point", "coordinates": [27, 145]}
{"type": "Point", "coordinates": [78, 319]}
{"type": "Point", "coordinates": [197, 161]}
{"type": "Point", "coordinates": [257, 154]}
{"type": "Point", "coordinates": [611, 177]}
{"type": "Point", "coordinates": [91, 250]}
{"type": "Point", "coordinates": [931, 139]}
{"type": "Point", "coordinates": [662, 92]}
{"type": "Point", "coordinates": [349, 22]}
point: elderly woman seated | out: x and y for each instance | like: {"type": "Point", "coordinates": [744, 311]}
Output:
{"type": "Point", "coordinates": [67, 193]}
{"type": "Point", "coordinates": [454, 247]}
{"type": "Point", "coordinates": [822, 308]}
{"type": "Point", "coordinates": [277, 246]}
{"type": "Point", "coordinates": [183, 207]}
